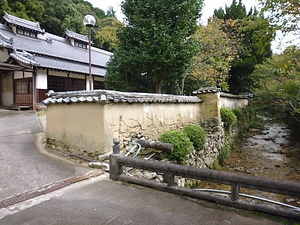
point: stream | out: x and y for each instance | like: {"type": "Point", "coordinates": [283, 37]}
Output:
{"type": "Point", "coordinates": [270, 153]}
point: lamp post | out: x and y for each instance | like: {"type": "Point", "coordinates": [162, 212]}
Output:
{"type": "Point", "coordinates": [90, 21]}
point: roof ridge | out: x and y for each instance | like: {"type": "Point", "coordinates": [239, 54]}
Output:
{"type": "Point", "coordinates": [23, 22]}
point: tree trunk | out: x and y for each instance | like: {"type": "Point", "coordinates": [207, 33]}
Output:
{"type": "Point", "coordinates": [157, 85]}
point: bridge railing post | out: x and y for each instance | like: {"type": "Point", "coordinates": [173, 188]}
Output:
{"type": "Point", "coordinates": [170, 179]}
{"type": "Point", "coordinates": [235, 189]}
{"type": "Point", "coordinates": [114, 168]}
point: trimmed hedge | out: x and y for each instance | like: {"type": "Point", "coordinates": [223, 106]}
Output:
{"type": "Point", "coordinates": [197, 135]}
{"type": "Point", "coordinates": [182, 145]}
{"type": "Point", "coordinates": [228, 117]}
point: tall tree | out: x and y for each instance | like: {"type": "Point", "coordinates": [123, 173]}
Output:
{"type": "Point", "coordinates": [27, 9]}
{"type": "Point", "coordinates": [55, 15]}
{"type": "Point", "coordinates": [234, 11]}
{"type": "Point", "coordinates": [255, 35]}
{"type": "Point", "coordinates": [4, 7]}
{"type": "Point", "coordinates": [155, 47]}
{"type": "Point", "coordinates": [67, 14]}
{"type": "Point", "coordinates": [284, 13]}
{"type": "Point", "coordinates": [107, 34]}
{"type": "Point", "coordinates": [216, 51]}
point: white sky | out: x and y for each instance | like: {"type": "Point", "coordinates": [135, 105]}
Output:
{"type": "Point", "coordinates": [209, 6]}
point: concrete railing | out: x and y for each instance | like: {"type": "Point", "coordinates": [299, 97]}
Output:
{"type": "Point", "coordinates": [236, 181]}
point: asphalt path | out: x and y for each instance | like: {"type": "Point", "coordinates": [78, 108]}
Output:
{"type": "Point", "coordinates": [24, 163]}
{"type": "Point", "coordinates": [102, 201]}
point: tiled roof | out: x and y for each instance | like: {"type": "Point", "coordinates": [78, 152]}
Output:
{"type": "Point", "coordinates": [51, 63]}
{"type": "Point", "coordinates": [215, 90]}
{"type": "Point", "coordinates": [23, 23]}
{"type": "Point", "coordinates": [241, 96]}
{"type": "Point", "coordinates": [105, 96]}
{"type": "Point", "coordinates": [24, 58]}
{"type": "Point", "coordinates": [77, 36]}
{"type": "Point", "coordinates": [51, 51]}
{"type": "Point", "coordinates": [207, 90]}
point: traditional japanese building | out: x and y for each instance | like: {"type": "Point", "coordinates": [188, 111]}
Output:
{"type": "Point", "coordinates": [33, 61]}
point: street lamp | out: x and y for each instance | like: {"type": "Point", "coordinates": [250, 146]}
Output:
{"type": "Point", "coordinates": [90, 21]}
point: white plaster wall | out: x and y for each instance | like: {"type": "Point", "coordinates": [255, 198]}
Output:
{"type": "Point", "coordinates": [18, 74]}
{"type": "Point", "coordinates": [3, 55]}
{"type": "Point", "coordinates": [41, 79]}
{"type": "Point", "coordinates": [231, 103]}
{"type": "Point", "coordinates": [210, 105]}
{"type": "Point", "coordinates": [27, 74]}
{"type": "Point", "coordinates": [124, 121]}
{"type": "Point", "coordinates": [92, 126]}
{"type": "Point", "coordinates": [79, 126]}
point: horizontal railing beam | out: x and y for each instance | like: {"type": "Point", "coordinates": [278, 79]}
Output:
{"type": "Point", "coordinates": [285, 212]}
{"type": "Point", "coordinates": [246, 181]}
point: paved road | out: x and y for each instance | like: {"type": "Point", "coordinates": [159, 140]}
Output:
{"type": "Point", "coordinates": [102, 201]}
{"type": "Point", "coordinates": [24, 164]}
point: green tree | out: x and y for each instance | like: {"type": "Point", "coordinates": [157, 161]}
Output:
{"type": "Point", "coordinates": [4, 7]}
{"type": "Point", "coordinates": [278, 87]}
{"type": "Point", "coordinates": [234, 11]}
{"type": "Point", "coordinates": [107, 33]}
{"type": "Point", "coordinates": [211, 65]}
{"type": "Point", "coordinates": [155, 47]}
{"type": "Point", "coordinates": [276, 71]}
{"type": "Point", "coordinates": [284, 13]}
{"type": "Point", "coordinates": [254, 35]}
{"type": "Point", "coordinates": [55, 15]}
{"type": "Point", "coordinates": [27, 9]}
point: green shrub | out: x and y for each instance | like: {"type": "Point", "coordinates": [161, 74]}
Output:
{"type": "Point", "coordinates": [228, 117]}
{"type": "Point", "coordinates": [225, 151]}
{"type": "Point", "coordinates": [239, 113]}
{"type": "Point", "coordinates": [197, 135]}
{"type": "Point", "coordinates": [182, 145]}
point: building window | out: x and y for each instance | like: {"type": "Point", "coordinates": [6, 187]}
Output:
{"type": "Point", "coordinates": [76, 84]}
{"type": "Point", "coordinates": [26, 32]}
{"type": "Point", "coordinates": [57, 83]}
{"type": "Point", "coordinates": [65, 84]}
{"type": "Point", "coordinates": [98, 85]}
{"type": "Point", "coordinates": [80, 44]}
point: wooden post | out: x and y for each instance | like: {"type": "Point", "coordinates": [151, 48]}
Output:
{"type": "Point", "coordinates": [235, 189]}
{"type": "Point", "coordinates": [170, 179]}
{"type": "Point", "coordinates": [115, 169]}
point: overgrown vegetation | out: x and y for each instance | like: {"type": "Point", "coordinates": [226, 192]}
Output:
{"type": "Point", "coordinates": [278, 87]}
{"type": "Point", "coordinates": [197, 136]}
{"type": "Point", "coordinates": [228, 117]}
{"type": "Point", "coordinates": [224, 153]}
{"type": "Point", "coordinates": [182, 145]}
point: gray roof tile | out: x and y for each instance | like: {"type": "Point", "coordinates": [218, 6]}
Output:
{"type": "Point", "coordinates": [77, 36]}
{"type": "Point", "coordinates": [23, 23]}
{"type": "Point", "coordinates": [105, 96]}
{"type": "Point", "coordinates": [207, 90]}
{"type": "Point", "coordinates": [51, 51]}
